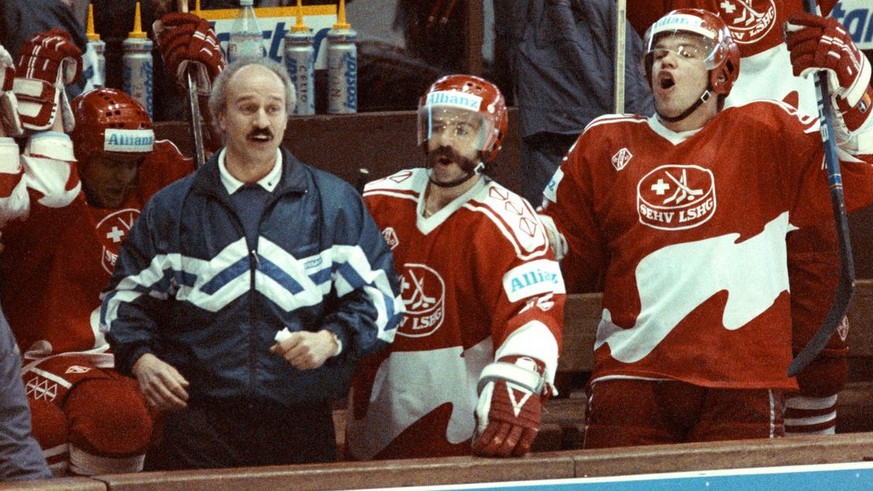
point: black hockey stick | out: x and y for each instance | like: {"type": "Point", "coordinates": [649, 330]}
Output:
{"type": "Point", "coordinates": [846, 287]}
{"type": "Point", "coordinates": [194, 105]}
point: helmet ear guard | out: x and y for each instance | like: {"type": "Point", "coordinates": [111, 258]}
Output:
{"type": "Point", "coordinates": [468, 93]}
{"type": "Point", "coordinates": [109, 120]}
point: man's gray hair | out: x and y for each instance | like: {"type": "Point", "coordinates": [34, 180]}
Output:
{"type": "Point", "coordinates": [218, 99]}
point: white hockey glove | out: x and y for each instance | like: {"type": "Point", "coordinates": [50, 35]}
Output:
{"type": "Point", "coordinates": [8, 102]}
{"type": "Point", "coordinates": [48, 62]}
{"type": "Point", "coordinates": [511, 393]}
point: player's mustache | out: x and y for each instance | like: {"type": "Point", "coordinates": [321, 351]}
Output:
{"type": "Point", "coordinates": [446, 152]}
{"type": "Point", "coordinates": [261, 132]}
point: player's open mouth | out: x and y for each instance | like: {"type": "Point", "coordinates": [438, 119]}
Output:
{"type": "Point", "coordinates": [665, 80]}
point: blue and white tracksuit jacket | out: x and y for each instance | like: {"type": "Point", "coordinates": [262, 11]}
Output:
{"type": "Point", "coordinates": [187, 288]}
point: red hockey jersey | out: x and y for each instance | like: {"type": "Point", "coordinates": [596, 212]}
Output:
{"type": "Point", "coordinates": [60, 251]}
{"type": "Point", "coordinates": [478, 281]}
{"type": "Point", "coordinates": [689, 230]}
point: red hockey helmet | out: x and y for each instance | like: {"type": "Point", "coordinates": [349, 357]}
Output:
{"type": "Point", "coordinates": [722, 57]}
{"type": "Point", "coordinates": [110, 121]}
{"type": "Point", "coordinates": [472, 94]}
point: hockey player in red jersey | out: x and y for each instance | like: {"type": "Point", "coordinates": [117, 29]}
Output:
{"type": "Point", "coordinates": [476, 352]}
{"type": "Point", "coordinates": [813, 252]}
{"type": "Point", "coordinates": [65, 209]}
{"type": "Point", "coordinates": [686, 213]}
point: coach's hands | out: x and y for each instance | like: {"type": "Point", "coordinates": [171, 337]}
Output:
{"type": "Point", "coordinates": [163, 386]}
{"type": "Point", "coordinates": [306, 350]}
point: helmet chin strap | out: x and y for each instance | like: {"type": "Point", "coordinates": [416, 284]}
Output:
{"type": "Point", "coordinates": [699, 102]}
{"type": "Point", "coordinates": [480, 167]}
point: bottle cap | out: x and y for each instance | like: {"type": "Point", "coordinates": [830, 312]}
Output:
{"type": "Point", "coordinates": [91, 34]}
{"type": "Point", "coordinates": [246, 3]}
{"type": "Point", "coordinates": [299, 26]}
{"type": "Point", "coordinates": [341, 17]}
{"type": "Point", "coordinates": [137, 31]}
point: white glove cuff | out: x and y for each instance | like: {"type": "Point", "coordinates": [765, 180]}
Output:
{"type": "Point", "coordinates": [528, 379]}
{"type": "Point", "coordinates": [9, 163]}
{"type": "Point", "coordinates": [853, 94]}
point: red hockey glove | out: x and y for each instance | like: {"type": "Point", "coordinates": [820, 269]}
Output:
{"type": "Point", "coordinates": [8, 102]}
{"type": "Point", "coordinates": [47, 63]}
{"type": "Point", "coordinates": [508, 412]}
{"type": "Point", "coordinates": [822, 43]}
{"type": "Point", "coordinates": [186, 40]}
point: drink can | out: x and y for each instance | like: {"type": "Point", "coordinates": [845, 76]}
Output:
{"type": "Point", "coordinates": [342, 71]}
{"type": "Point", "coordinates": [137, 71]}
{"type": "Point", "coordinates": [299, 59]}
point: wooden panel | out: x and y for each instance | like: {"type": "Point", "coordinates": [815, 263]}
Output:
{"type": "Point", "coordinates": [854, 447]}
{"type": "Point", "coordinates": [582, 313]}
{"type": "Point", "coordinates": [351, 475]}
{"type": "Point", "coordinates": [861, 320]}
{"type": "Point", "coordinates": [58, 484]}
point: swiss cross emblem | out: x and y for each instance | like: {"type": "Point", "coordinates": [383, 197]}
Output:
{"type": "Point", "coordinates": [111, 232]}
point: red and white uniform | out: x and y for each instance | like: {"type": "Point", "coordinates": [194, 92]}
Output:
{"type": "Point", "coordinates": [690, 229]}
{"type": "Point", "coordinates": [813, 254]}
{"type": "Point", "coordinates": [60, 251]}
{"type": "Point", "coordinates": [479, 282]}
{"type": "Point", "coordinates": [59, 254]}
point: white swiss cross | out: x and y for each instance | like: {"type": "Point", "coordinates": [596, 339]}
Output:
{"type": "Point", "coordinates": [116, 234]}
{"type": "Point", "coordinates": [660, 187]}
{"type": "Point", "coordinates": [728, 7]}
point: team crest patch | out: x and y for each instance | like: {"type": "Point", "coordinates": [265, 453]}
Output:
{"type": "Point", "coordinates": [390, 237]}
{"type": "Point", "coordinates": [621, 158]}
{"type": "Point", "coordinates": [676, 197]}
{"type": "Point", "coordinates": [748, 20]}
{"type": "Point", "coordinates": [111, 232]}
{"type": "Point", "coordinates": [424, 294]}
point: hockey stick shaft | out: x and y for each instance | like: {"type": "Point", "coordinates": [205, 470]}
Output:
{"type": "Point", "coordinates": [846, 286]}
{"type": "Point", "coordinates": [194, 103]}
{"type": "Point", "coordinates": [619, 55]}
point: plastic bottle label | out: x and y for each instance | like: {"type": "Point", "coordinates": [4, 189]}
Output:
{"type": "Point", "coordinates": [245, 45]}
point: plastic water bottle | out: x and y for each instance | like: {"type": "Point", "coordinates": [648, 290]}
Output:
{"type": "Point", "coordinates": [246, 38]}
{"type": "Point", "coordinates": [342, 66]}
{"type": "Point", "coordinates": [98, 77]}
{"type": "Point", "coordinates": [137, 65]}
{"type": "Point", "coordinates": [299, 59]}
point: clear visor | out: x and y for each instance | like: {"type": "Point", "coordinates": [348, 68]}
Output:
{"type": "Point", "coordinates": [454, 126]}
{"type": "Point", "coordinates": [687, 46]}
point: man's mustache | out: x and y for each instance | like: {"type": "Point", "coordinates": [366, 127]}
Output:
{"type": "Point", "coordinates": [261, 132]}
